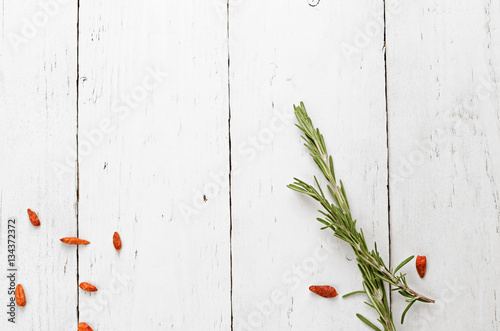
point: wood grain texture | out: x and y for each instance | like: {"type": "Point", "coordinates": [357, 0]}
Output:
{"type": "Point", "coordinates": [284, 52]}
{"type": "Point", "coordinates": [443, 98]}
{"type": "Point", "coordinates": [38, 160]}
{"type": "Point", "coordinates": [156, 74]}
{"type": "Point", "coordinates": [193, 177]}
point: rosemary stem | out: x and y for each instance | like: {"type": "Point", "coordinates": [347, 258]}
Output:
{"type": "Point", "coordinates": [337, 216]}
{"type": "Point", "coordinates": [394, 279]}
{"type": "Point", "coordinates": [330, 177]}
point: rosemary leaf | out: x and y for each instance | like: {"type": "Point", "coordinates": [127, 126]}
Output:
{"type": "Point", "coordinates": [337, 216]}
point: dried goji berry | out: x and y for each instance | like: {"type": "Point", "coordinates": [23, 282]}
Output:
{"type": "Point", "coordinates": [84, 327]}
{"type": "Point", "coordinates": [421, 265]}
{"type": "Point", "coordinates": [117, 241]}
{"type": "Point", "coordinates": [20, 297]}
{"type": "Point", "coordinates": [33, 218]}
{"type": "Point", "coordinates": [324, 291]}
{"type": "Point", "coordinates": [74, 241]}
{"type": "Point", "coordinates": [88, 287]}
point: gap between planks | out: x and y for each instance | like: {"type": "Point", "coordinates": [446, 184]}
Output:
{"type": "Point", "coordinates": [77, 160]}
{"type": "Point", "coordinates": [230, 167]}
{"type": "Point", "coordinates": [387, 146]}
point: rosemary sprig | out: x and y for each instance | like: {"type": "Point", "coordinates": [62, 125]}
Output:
{"type": "Point", "coordinates": [337, 216]}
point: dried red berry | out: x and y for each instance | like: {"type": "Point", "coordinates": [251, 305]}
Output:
{"type": "Point", "coordinates": [84, 327]}
{"type": "Point", "coordinates": [325, 291]}
{"type": "Point", "coordinates": [33, 218]}
{"type": "Point", "coordinates": [88, 287]}
{"type": "Point", "coordinates": [421, 265]}
{"type": "Point", "coordinates": [117, 241]}
{"type": "Point", "coordinates": [74, 241]}
{"type": "Point", "coordinates": [20, 297]}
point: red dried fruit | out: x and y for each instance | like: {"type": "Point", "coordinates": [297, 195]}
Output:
{"type": "Point", "coordinates": [117, 241]}
{"type": "Point", "coordinates": [33, 218]}
{"type": "Point", "coordinates": [74, 241]}
{"type": "Point", "coordinates": [20, 297]}
{"type": "Point", "coordinates": [88, 287]}
{"type": "Point", "coordinates": [325, 291]}
{"type": "Point", "coordinates": [421, 265]}
{"type": "Point", "coordinates": [84, 327]}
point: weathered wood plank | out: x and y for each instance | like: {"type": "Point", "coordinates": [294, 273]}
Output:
{"type": "Point", "coordinates": [283, 52]}
{"type": "Point", "coordinates": [38, 159]}
{"type": "Point", "coordinates": [443, 61]}
{"type": "Point", "coordinates": [156, 74]}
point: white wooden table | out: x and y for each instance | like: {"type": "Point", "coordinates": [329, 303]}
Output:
{"type": "Point", "coordinates": [171, 122]}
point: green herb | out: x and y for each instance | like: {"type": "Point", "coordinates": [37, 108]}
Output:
{"type": "Point", "coordinates": [337, 216]}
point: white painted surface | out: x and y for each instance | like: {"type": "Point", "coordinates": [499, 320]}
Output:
{"type": "Point", "coordinates": [443, 61]}
{"type": "Point", "coordinates": [158, 73]}
{"type": "Point", "coordinates": [277, 243]}
{"type": "Point", "coordinates": [147, 161]}
{"type": "Point", "coordinates": [38, 162]}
